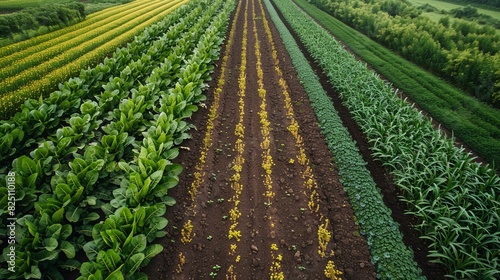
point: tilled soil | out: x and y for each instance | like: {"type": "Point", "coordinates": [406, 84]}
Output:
{"type": "Point", "coordinates": [256, 200]}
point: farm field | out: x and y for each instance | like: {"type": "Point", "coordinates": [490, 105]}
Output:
{"type": "Point", "coordinates": [234, 139]}
{"type": "Point", "coordinates": [447, 6]}
{"type": "Point", "coordinates": [475, 124]}
{"type": "Point", "coordinates": [43, 62]}
{"type": "Point", "coordinates": [260, 196]}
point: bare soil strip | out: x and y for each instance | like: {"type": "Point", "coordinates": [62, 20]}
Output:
{"type": "Point", "coordinates": [259, 197]}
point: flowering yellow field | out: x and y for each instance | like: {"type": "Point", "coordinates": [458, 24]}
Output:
{"type": "Point", "coordinates": [33, 68]}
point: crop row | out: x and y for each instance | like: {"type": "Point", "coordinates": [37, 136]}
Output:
{"type": "Point", "coordinates": [311, 187]}
{"type": "Point", "coordinates": [276, 271]}
{"type": "Point", "coordinates": [389, 253]}
{"type": "Point", "coordinates": [129, 158]}
{"type": "Point", "coordinates": [55, 36]}
{"type": "Point", "coordinates": [14, 64]}
{"type": "Point", "coordinates": [200, 170]}
{"type": "Point", "coordinates": [476, 124]}
{"type": "Point", "coordinates": [39, 80]}
{"type": "Point", "coordinates": [237, 164]}
{"type": "Point", "coordinates": [454, 198]}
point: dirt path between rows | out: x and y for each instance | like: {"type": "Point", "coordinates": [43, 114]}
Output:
{"type": "Point", "coordinates": [259, 196]}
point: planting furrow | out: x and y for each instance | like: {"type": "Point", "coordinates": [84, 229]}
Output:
{"type": "Point", "coordinates": [201, 167]}
{"type": "Point", "coordinates": [324, 233]}
{"type": "Point", "coordinates": [275, 269]}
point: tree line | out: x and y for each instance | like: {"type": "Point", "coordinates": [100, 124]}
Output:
{"type": "Point", "coordinates": [44, 15]}
{"type": "Point", "coordinates": [458, 50]}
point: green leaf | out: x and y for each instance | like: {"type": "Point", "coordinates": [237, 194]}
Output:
{"type": "Point", "coordinates": [73, 214]}
{"type": "Point", "coordinates": [89, 200]}
{"type": "Point", "coordinates": [169, 201]}
{"type": "Point", "coordinates": [45, 255]}
{"type": "Point", "coordinates": [66, 231]}
{"type": "Point", "coordinates": [68, 249]}
{"type": "Point", "coordinates": [137, 245]}
{"type": "Point", "coordinates": [160, 222]}
{"type": "Point", "coordinates": [109, 260]}
{"type": "Point", "coordinates": [116, 275]}
{"type": "Point", "coordinates": [114, 238]}
{"type": "Point", "coordinates": [173, 169]}
{"type": "Point", "coordinates": [54, 231]}
{"type": "Point", "coordinates": [71, 265]}
{"type": "Point", "coordinates": [50, 244]}
{"type": "Point", "coordinates": [32, 228]}
{"type": "Point", "coordinates": [63, 192]}
{"type": "Point", "coordinates": [155, 178]}
{"type": "Point", "coordinates": [133, 264]}
{"type": "Point", "coordinates": [91, 177]}
{"type": "Point", "coordinates": [152, 251]}
{"type": "Point", "coordinates": [126, 215]}
{"type": "Point", "coordinates": [93, 216]}
{"type": "Point", "coordinates": [35, 273]}
{"type": "Point", "coordinates": [91, 250]}
{"type": "Point", "coordinates": [58, 215]}
{"type": "Point", "coordinates": [87, 269]}
{"type": "Point", "coordinates": [171, 153]}
{"type": "Point", "coordinates": [96, 276]}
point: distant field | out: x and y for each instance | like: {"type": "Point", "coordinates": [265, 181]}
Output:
{"type": "Point", "coordinates": [440, 5]}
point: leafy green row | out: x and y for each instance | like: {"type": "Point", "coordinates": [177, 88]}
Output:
{"type": "Point", "coordinates": [390, 255]}
{"type": "Point", "coordinates": [40, 118]}
{"type": "Point", "coordinates": [121, 241]}
{"type": "Point", "coordinates": [455, 199]}
{"type": "Point", "coordinates": [52, 153]}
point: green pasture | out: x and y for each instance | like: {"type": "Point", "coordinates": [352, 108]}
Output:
{"type": "Point", "coordinates": [440, 5]}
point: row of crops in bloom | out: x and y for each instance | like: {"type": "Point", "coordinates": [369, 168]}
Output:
{"type": "Point", "coordinates": [111, 151]}
{"type": "Point", "coordinates": [324, 232]}
{"type": "Point", "coordinates": [454, 198]}
{"type": "Point", "coordinates": [41, 66]}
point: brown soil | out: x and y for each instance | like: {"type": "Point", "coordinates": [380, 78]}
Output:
{"type": "Point", "coordinates": [278, 234]}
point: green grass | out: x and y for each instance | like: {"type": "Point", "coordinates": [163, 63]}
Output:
{"type": "Point", "coordinates": [440, 5]}
{"type": "Point", "coordinates": [474, 123]}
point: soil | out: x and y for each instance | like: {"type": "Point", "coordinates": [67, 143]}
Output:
{"type": "Point", "coordinates": [279, 234]}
